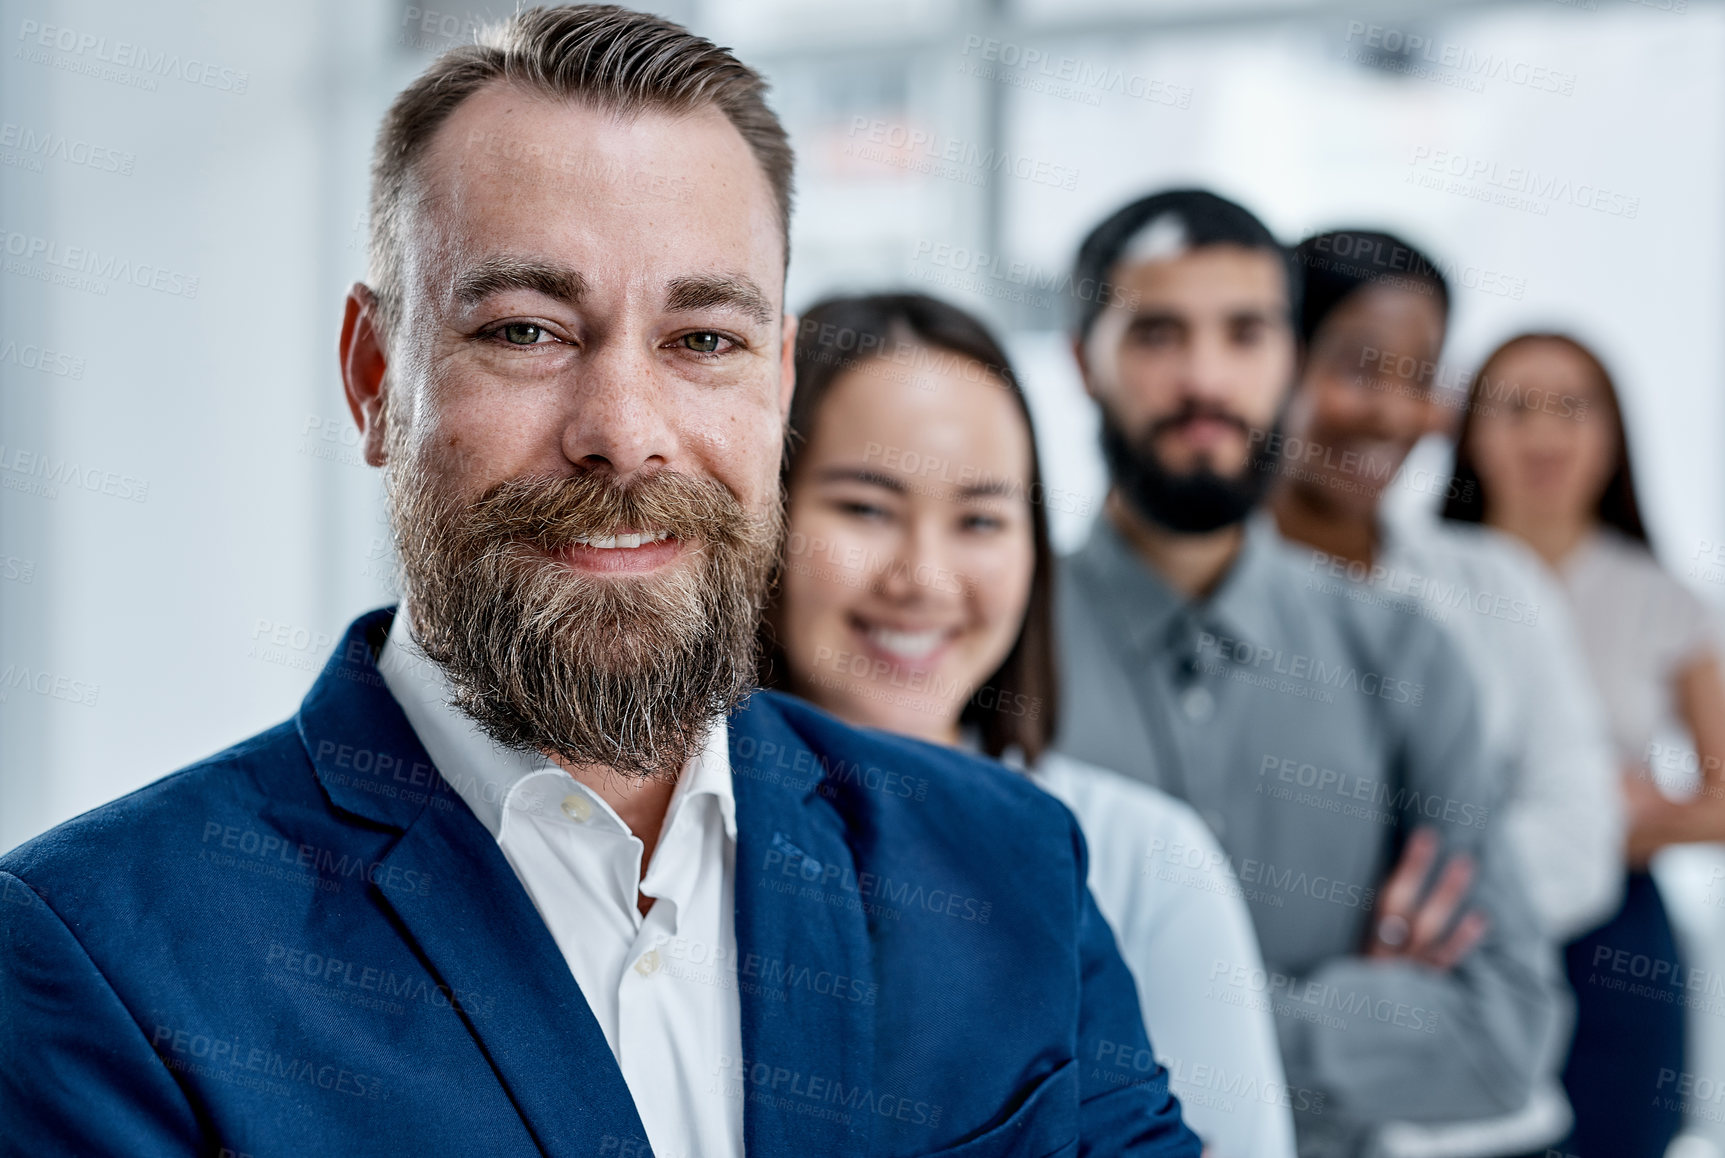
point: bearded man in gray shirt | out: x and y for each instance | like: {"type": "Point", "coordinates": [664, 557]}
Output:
{"type": "Point", "coordinates": [1331, 738]}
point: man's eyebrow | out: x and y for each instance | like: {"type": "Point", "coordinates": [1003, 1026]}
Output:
{"type": "Point", "coordinates": [862, 474]}
{"type": "Point", "coordinates": [495, 275]}
{"type": "Point", "coordinates": [1258, 314]}
{"type": "Point", "coordinates": [1156, 315]}
{"type": "Point", "coordinates": [719, 291]}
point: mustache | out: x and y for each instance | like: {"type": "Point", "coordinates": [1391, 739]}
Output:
{"type": "Point", "coordinates": [553, 512]}
{"type": "Point", "coordinates": [1191, 411]}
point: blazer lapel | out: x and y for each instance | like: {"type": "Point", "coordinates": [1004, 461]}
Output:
{"type": "Point", "coordinates": [463, 908]}
{"type": "Point", "coordinates": [803, 950]}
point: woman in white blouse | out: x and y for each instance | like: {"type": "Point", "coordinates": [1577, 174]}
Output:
{"type": "Point", "coordinates": [915, 597]}
{"type": "Point", "coordinates": [1542, 455]}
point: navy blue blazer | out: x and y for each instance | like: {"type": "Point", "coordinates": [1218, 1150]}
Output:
{"type": "Point", "coordinates": [308, 945]}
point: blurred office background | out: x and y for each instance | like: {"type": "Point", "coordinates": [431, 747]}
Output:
{"type": "Point", "coordinates": [186, 525]}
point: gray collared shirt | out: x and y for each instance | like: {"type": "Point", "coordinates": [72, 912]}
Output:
{"type": "Point", "coordinates": [1313, 731]}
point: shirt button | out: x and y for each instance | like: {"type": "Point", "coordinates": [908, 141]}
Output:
{"type": "Point", "coordinates": [648, 964]}
{"type": "Point", "coordinates": [1197, 703]}
{"type": "Point", "coordinates": [577, 808]}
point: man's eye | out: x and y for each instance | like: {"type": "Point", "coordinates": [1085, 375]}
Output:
{"type": "Point", "coordinates": [522, 333]}
{"type": "Point", "coordinates": [702, 342]}
{"type": "Point", "coordinates": [1249, 333]}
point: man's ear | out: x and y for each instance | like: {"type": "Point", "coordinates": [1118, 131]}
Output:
{"type": "Point", "coordinates": [788, 366]}
{"type": "Point", "coordinates": [364, 364]}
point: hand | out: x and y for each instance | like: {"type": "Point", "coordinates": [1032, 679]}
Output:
{"type": "Point", "coordinates": [1407, 928]}
{"type": "Point", "coordinates": [1646, 811]}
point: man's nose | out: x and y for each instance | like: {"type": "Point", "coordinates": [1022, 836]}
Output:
{"type": "Point", "coordinates": [1208, 374]}
{"type": "Point", "coordinates": [618, 413]}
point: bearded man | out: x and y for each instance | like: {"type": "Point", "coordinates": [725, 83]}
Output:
{"type": "Point", "coordinates": [1332, 743]}
{"type": "Point", "coordinates": [531, 871]}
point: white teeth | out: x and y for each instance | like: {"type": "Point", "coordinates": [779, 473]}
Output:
{"type": "Point", "coordinates": [612, 542]}
{"type": "Point", "coordinates": [908, 644]}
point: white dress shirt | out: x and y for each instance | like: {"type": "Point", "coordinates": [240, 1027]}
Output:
{"type": "Point", "coordinates": [1640, 627]}
{"type": "Point", "coordinates": [1165, 887]}
{"type": "Point", "coordinates": [663, 986]}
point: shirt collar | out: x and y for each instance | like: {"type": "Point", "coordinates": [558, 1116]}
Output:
{"type": "Point", "coordinates": [487, 775]}
{"type": "Point", "coordinates": [1241, 607]}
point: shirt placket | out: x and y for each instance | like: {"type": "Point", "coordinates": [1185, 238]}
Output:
{"type": "Point", "coordinates": [645, 1003]}
{"type": "Point", "coordinates": [1195, 688]}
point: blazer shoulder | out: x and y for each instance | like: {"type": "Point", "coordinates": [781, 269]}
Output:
{"type": "Point", "coordinates": [132, 830]}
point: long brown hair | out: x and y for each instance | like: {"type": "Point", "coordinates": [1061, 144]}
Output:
{"type": "Point", "coordinates": [1016, 705]}
{"type": "Point", "coordinates": [1617, 506]}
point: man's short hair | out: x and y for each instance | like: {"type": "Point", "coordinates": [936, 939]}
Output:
{"type": "Point", "coordinates": [608, 57]}
{"type": "Point", "coordinates": [1165, 224]}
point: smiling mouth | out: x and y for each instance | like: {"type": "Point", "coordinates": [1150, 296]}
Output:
{"type": "Point", "coordinates": [905, 646]}
{"type": "Point", "coordinates": [625, 552]}
{"type": "Point", "coordinates": [622, 542]}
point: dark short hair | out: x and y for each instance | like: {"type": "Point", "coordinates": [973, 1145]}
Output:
{"type": "Point", "coordinates": [1203, 219]}
{"type": "Point", "coordinates": [836, 336]}
{"type": "Point", "coordinates": [1336, 263]}
{"type": "Point", "coordinates": [1617, 506]}
{"type": "Point", "coordinates": [613, 58]}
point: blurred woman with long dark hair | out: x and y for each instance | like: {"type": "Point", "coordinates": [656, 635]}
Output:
{"type": "Point", "coordinates": [1543, 454]}
{"type": "Point", "coordinates": [915, 596]}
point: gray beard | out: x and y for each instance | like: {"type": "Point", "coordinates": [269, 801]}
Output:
{"type": "Point", "coordinates": [626, 673]}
